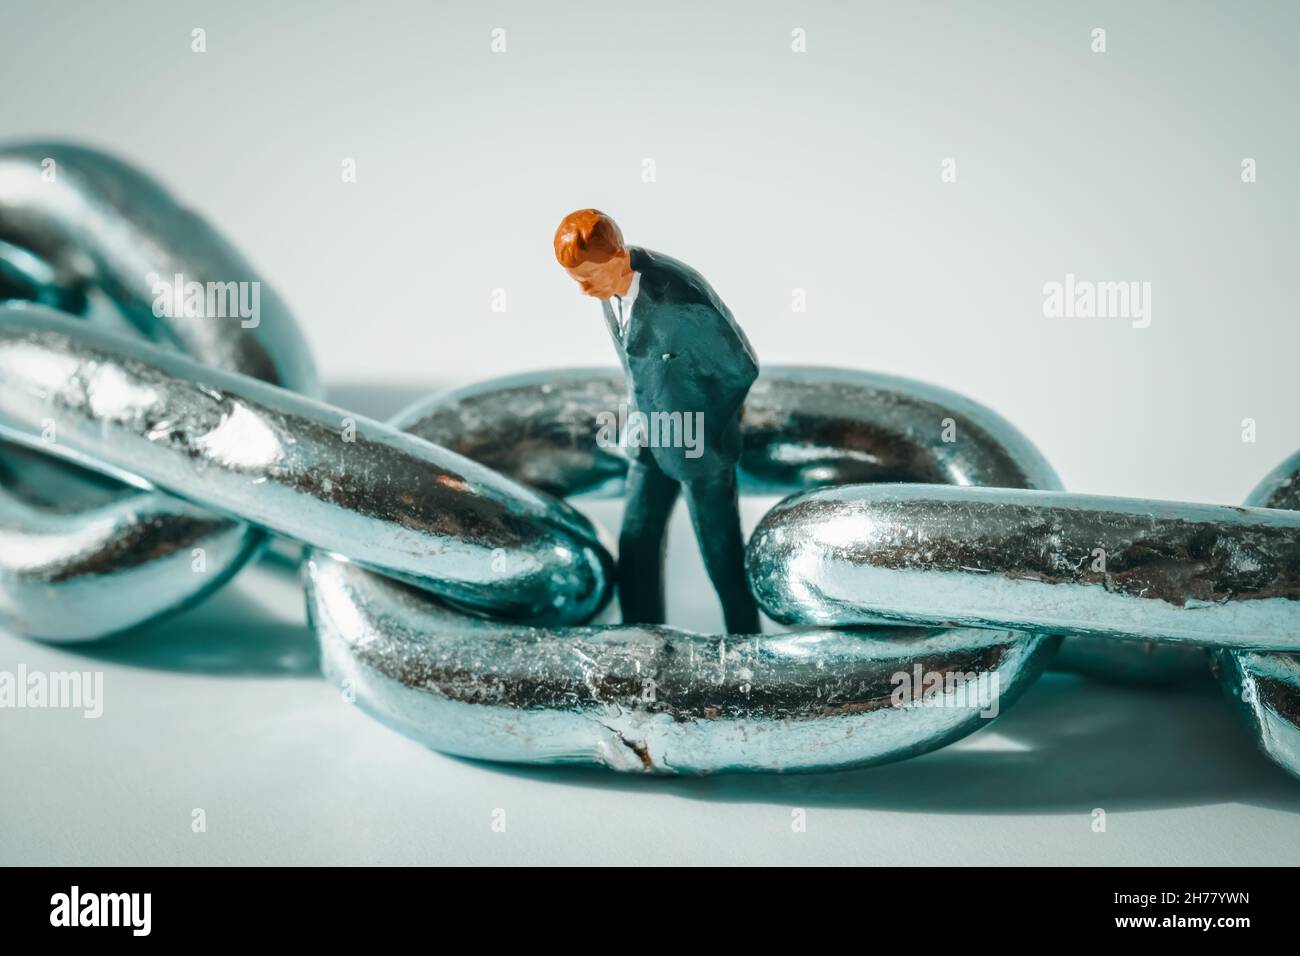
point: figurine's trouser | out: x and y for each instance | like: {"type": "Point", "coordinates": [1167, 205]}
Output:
{"type": "Point", "coordinates": [715, 513]}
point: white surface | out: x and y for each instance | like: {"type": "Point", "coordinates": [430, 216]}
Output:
{"type": "Point", "coordinates": [776, 171]}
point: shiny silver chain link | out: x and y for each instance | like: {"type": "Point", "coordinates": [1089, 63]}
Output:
{"type": "Point", "coordinates": [927, 562]}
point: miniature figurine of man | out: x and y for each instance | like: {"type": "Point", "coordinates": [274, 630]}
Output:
{"type": "Point", "coordinates": [683, 353]}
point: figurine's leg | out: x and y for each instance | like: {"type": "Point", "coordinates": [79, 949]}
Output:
{"type": "Point", "coordinates": [715, 513]}
{"type": "Point", "coordinates": [650, 498]}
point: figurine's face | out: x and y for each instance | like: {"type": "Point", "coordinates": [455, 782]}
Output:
{"type": "Point", "coordinates": [601, 280]}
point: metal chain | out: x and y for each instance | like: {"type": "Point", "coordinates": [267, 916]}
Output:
{"type": "Point", "coordinates": [460, 600]}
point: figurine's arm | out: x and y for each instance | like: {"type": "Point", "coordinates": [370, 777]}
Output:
{"type": "Point", "coordinates": [736, 353]}
{"type": "Point", "coordinates": [745, 352]}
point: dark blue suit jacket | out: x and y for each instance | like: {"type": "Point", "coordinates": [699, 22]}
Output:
{"type": "Point", "coordinates": [684, 352]}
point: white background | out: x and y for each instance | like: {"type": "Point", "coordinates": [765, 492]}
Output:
{"type": "Point", "coordinates": [775, 171]}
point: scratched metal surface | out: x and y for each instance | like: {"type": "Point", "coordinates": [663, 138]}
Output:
{"type": "Point", "coordinates": [1115, 568]}
{"type": "Point", "coordinates": [296, 466]}
{"type": "Point", "coordinates": [659, 699]}
{"type": "Point", "coordinates": [86, 241]}
{"type": "Point", "coordinates": [1266, 687]}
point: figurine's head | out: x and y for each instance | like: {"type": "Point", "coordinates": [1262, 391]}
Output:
{"type": "Point", "coordinates": [590, 247]}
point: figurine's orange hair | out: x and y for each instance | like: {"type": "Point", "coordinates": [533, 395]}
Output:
{"type": "Point", "coordinates": [587, 235]}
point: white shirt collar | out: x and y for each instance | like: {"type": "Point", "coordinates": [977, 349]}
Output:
{"type": "Point", "coordinates": [622, 304]}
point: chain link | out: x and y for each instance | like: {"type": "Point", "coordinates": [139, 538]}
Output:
{"type": "Point", "coordinates": [504, 648]}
